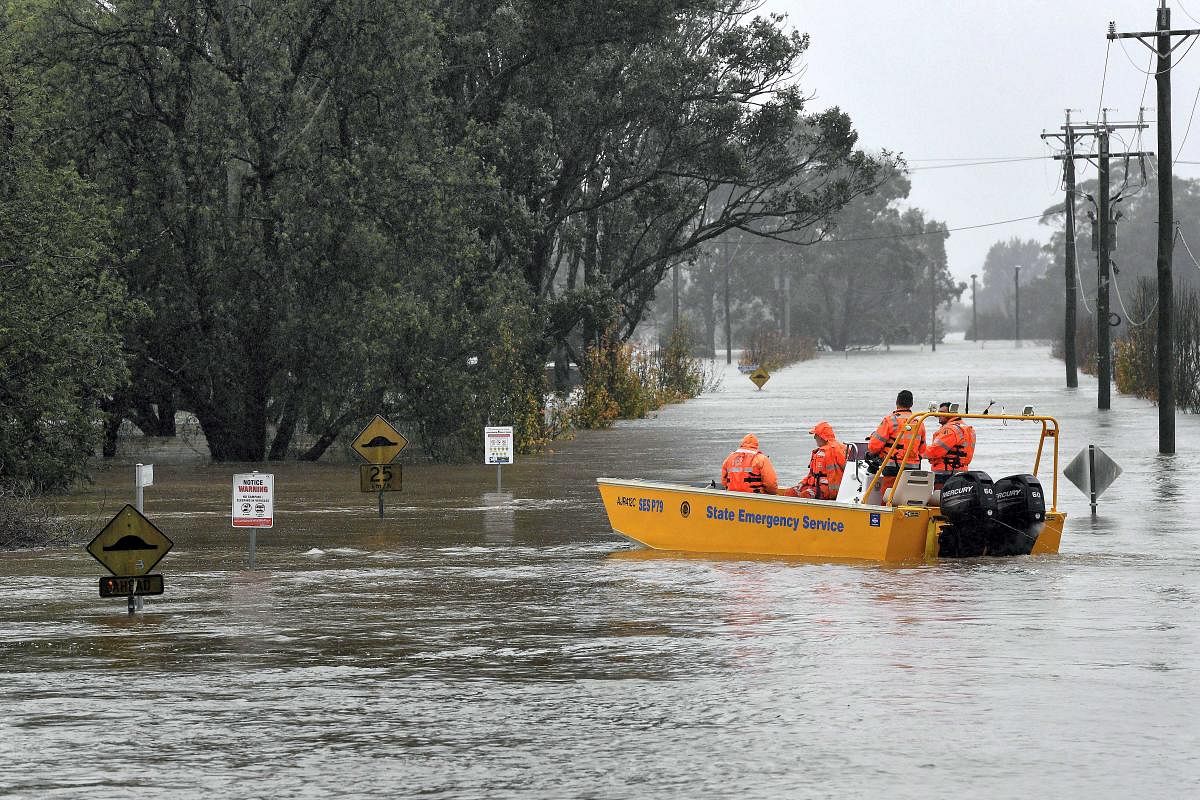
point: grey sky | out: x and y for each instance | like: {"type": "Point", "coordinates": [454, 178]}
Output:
{"type": "Point", "coordinates": [981, 80]}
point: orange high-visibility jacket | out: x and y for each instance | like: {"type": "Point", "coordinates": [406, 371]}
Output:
{"type": "Point", "coordinates": [953, 447]}
{"type": "Point", "coordinates": [891, 429]}
{"type": "Point", "coordinates": [825, 470]}
{"type": "Point", "coordinates": [749, 470]}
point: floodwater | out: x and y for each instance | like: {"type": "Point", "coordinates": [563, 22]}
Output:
{"type": "Point", "coordinates": [476, 643]}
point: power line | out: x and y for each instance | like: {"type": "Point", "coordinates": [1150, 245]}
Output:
{"type": "Point", "coordinates": [979, 163]}
{"type": "Point", "coordinates": [1155, 73]}
{"type": "Point", "coordinates": [974, 158]}
{"type": "Point", "coordinates": [1185, 11]}
{"type": "Point", "coordinates": [928, 233]}
{"type": "Point", "coordinates": [1188, 129]}
{"type": "Point", "coordinates": [1103, 79]}
{"type": "Point", "coordinates": [1121, 301]}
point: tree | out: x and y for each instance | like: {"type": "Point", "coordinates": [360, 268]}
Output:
{"type": "Point", "coordinates": [62, 306]}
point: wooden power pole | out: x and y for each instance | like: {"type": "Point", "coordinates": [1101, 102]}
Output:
{"type": "Point", "coordinates": [1162, 36]}
{"type": "Point", "coordinates": [1070, 270]}
{"type": "Point", "coordinates": [1101, 131]}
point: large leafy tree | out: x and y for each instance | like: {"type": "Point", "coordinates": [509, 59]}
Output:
{"type": "Point", "coordinates": [61, 304]}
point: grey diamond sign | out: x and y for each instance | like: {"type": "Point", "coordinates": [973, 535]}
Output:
{"type": "Point", "coordinates": [1080, 470]}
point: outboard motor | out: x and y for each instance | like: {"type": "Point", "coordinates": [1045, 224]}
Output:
{"type": "Point", "coordinates": [1020, 515]}
{"type": "Point", "coordinates": [968, 502]}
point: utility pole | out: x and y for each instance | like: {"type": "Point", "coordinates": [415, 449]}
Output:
{"type": "Point", "coordinates": [1103, 264]}
{"type": "Point", "coordinates": [1099, 130]}
{"type": "Point", "coordinates": [974, 315]}
{"type": "Point", "coordinates": [1017, 309]}
{"type": "Point", "coordinates": [1165, 346]}
{"type": "Point", "coordinates": [1070, 269]}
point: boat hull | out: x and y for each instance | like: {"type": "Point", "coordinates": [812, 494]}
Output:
{"type": "Point", "coordinates": [667, 516]}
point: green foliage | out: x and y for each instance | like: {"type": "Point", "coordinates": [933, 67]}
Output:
{"type": "Point", "coordinates": [62, 308]}
{"type": "Point", "coordinates": [1135, 365]}
{"type": "Point", "coordinates": [335, 207]}
{"type": "Point", "coordinates": [620, 382]}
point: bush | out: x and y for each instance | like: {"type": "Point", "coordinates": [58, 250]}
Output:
{"type": "Point", "coordinates": [27, 520]}
{"type": "Point", "coordinates": [1136, 363]}
{"type": "Point", "coordinates": [620, 382]}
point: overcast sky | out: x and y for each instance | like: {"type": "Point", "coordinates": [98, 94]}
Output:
{"type": "Point", "coordinates": [975, 80]}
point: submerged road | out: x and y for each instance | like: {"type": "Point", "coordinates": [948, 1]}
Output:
{"type": "Point", "coordinates": [474, 644]}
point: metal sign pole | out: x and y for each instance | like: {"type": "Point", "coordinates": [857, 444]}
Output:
{"type": "Point", "coordinates": [135, 601]}
{"type": "Point", "coordinates": [1092, 476]}
{"type": "Point", "coordinates": [498, 468]}
{"type": "Point", "coordinates": [381, 503]}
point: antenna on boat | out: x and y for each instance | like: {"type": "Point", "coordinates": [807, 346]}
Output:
{"type": "Point", "coordinates": [967, 404]}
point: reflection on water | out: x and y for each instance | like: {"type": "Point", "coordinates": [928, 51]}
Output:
{"type": "Point", "coordinates": [477, 643]}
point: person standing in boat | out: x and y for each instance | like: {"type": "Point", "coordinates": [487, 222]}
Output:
{"type": "Point", "coordinates": [953, 445]}
{"type": "Point", "coordinates": [893, 428]}
{"type": "Point", "coordinates": [825, 467]}
{"type": "Point", "coordinates": [748, 469]}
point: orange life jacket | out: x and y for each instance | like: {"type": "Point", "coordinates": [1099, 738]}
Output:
{"type": "Point", "coordinates": [748, 470]}
{"type": "Point", "coordinates": [891, 429]}
{"type": "Point", "coordinates": [825, 470]}
{"type": "Point", "coordinates": [953, 447]}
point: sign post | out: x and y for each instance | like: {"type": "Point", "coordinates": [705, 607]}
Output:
{"type": "Point", "coordinates": [379, 444]}
{"type": "Point", "coordinates": [143, 476]}
{"type": "Point", "coordinates": [498, 448]}
{"type": "Point", "coordinates": [253, 504]}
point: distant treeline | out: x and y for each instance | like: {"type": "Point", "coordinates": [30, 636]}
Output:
{"type": "Point", "coordinates": [285, 217]}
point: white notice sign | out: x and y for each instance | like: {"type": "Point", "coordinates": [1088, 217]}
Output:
{"type": "Point", "coordinates": [145, 475]}
{"type": "Point", "coordinates": [498, 445]}
{"type": "Point", "coordinates": [253, 500]}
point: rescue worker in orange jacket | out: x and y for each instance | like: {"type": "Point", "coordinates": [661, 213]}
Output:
{"type": "Point", "coordinates": [825, 467]}
{"type": "Point", "coordinates": [748, 469]}
{"type": "Point", "coordinates": [953, 445]}
{"type": "Point", "coordinates": [892, 429]}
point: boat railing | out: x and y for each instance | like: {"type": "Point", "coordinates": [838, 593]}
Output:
{"type": "Point", "coordinates": [1049, 430]}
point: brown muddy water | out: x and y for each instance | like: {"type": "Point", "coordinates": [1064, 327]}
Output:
{"type": "Point", "coordinates": [471, 646]}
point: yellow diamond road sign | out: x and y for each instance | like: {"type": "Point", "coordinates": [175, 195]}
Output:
{"type": "Point", "coordinates": [760, 376]}
{"type": "Point", "coordinates": [129, 544]}
{"type": "Point", "coordinates": [379, 442]}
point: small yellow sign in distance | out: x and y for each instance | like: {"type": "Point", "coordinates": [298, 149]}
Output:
{"type": "Point", "coordinates": [380, 477]}
{"type": "Point", "coordinates": [129, 545]}
{"type": "Point", "coordinates": [760, 376]}
{"type": "Point", "coordinates": [379, 442]}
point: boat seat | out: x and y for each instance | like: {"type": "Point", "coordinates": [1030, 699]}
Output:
{"type": "Point", "coordinates": [913, 488]}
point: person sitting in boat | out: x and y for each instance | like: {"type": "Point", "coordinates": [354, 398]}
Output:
{"type": "Point", "coordinates": [825, 467]}
{"type": "Point", "coordinates": [953, 445]}
{"type": "Point", "coordinates": [892, 428]}
{"type": "Point", "coordinates": [748, 469]}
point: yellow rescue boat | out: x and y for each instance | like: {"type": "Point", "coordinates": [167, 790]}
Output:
{"type": "Point", "coordinates": [910, 521]}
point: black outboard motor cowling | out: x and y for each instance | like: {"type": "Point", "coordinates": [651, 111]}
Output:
{"type": "Point", "coordinates": [968, 502]}
{"type": "Point", "coordinates": [1020, 513]}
